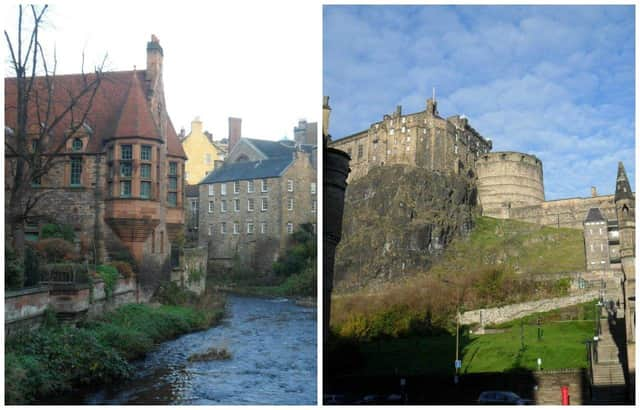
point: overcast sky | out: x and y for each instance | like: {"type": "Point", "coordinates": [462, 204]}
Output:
{"type": "Point", "coordinates": [556, 82]}
{"type": "Point", "coordinates": [240, 59]}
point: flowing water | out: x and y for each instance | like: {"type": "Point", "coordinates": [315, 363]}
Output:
{"type": "Point", "coordinates": [273, 348]}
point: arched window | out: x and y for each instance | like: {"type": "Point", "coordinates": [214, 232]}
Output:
{"type": "Point", "coordinates": [76, 145]}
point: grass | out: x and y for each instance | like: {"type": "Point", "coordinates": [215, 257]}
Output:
{"type": "Point", "coordinates": [300, 284]}
{"type": "Point", "coordinates": [562, 347]}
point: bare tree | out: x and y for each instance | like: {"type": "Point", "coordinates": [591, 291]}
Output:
{"type": "Point", "coordinates": [36, 144]}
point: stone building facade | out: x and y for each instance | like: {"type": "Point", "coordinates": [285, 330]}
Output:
{"type": "Point", "coordinates": [422, 139]}
{"type": "Point", "coordinates": [250, 205]}
{"type": "Point", "coordinates": [119, 183]}
{"type": "Point", "coordinates": [596, 241]}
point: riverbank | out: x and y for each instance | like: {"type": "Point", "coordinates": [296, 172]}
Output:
{"type": "Point", "coordinates": [267, 292]}
{"type": "Point", "coordinates": [56, 357]}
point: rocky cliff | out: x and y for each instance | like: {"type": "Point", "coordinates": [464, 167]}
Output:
{"type": "Point", "coordinates": [397, 221]}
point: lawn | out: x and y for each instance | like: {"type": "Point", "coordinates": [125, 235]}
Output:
{"type": "Point", "coordinates": [562, 347]}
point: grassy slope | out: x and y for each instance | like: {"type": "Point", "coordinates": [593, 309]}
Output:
{"type": "Point", "coordinates": [528, 248]}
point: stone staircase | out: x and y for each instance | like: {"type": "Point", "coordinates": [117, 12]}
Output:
{"type": "Point", "coordinates": [608, 379]}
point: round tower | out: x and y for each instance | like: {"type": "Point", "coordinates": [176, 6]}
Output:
{"type": "Point", "coordinates": [508, 180]}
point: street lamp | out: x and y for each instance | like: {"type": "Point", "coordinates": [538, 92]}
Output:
{"type": "Point", "coordinates": [458, 362]}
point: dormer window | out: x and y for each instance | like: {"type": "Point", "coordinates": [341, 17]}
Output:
{"type": "Point", "coordinates": [76, 145]}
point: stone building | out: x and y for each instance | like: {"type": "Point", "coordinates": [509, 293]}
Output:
{"type": "Point", "coordinates": [596, 241]}
{"type": "Point", "coordinates": [251, 204]}
{"type": "Point", "coordinates": [119, 183]}
{"type": "Point", "coordinates": [422, 139]}
{"type": "Point", "coordinates": [202, 152]}
{"type": "Point", "coordinates": [306, 132]}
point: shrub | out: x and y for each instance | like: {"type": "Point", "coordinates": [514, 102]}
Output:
{"type": "Point", "coordinates": [302, 284]}
{"type": "Point", "coordinates": [169, 293]}
{"type": "Point", "coordinates": [124, 268]}
{"type": "Point", "coordinates": [55, 250]}
{"type": "Point", "coordinates": [61, 231]}
{"type": "Point", "coordinates": [109, 275]}
{"type": "Point", "coordinates": [14, 269]}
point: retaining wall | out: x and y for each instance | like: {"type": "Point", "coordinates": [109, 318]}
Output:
{"type": "Point", "coordinates": [516, 311]}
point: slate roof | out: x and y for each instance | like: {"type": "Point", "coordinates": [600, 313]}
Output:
{"type": "Point", "coordinates": [119, 108]}
{"type": "Point", "coordinates": [191, 191]}
{"type": "Point", "coordinates": [269, 168]}
{"type": "Point", "coordinates": [623, 188]}
{"type": "Point", "coordinates": [594, 215]}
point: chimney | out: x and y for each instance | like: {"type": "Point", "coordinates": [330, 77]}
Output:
{"type": "Point", "coordinates": [196, 126]}
{"type": "Point", "coordinates": [326, 113]}
{"type": "Point", "coordinates": [235, 133]}
{"type": "Point", "coordinates": [594, 193]}
{"type": "Point", "coordinates": [432, 107]}
{"type": "Point", "coordinates": [154, 60]}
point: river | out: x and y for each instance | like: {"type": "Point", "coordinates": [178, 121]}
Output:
{"type": "Point", "coordinates": [273, 347]}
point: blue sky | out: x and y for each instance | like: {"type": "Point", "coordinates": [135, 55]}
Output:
{"type": "Point", "coordinates": [554, 81]}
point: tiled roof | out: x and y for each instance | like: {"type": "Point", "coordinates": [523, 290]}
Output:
{"type": "Point", "coordinates": [594, 215]}
{"type": "Point", "coordinates": [269, 168]}
{"type": "Point", "coordinates": [135, 118]}
{"type": "Point", "coordinates": [623, 188]}
{"type": "Point", "coordinates": [120, 96]}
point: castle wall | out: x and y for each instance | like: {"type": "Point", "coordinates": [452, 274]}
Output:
{"type": "Point", "coordinates": [509, 180]}
{"type": "Point", "coordinates": [422, 139]}
{"type": "Point", "coordinates": [564, 213]}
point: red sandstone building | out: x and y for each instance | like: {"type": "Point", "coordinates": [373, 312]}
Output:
{"type": "Point", "coordinates": [120, 181]}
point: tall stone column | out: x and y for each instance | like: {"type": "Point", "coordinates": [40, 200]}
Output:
{"type": "Point", "coordinates": [336, 170]}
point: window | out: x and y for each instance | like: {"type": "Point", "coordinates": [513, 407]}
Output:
{"type": "Point", "coordinates": [145, 171]}
{"type": "Point", "coordinates": [145, 152]}
{"type": "Point", "coordinates": [145, 189]}
{"type": "Point", "coordinates": [126, 152]}
{"type": "Point", "coordinates": [207, 159]}
{"type": "Point", "coordinates": [76, 171]}
{"type": "Point", "coordinates": [265, 186]}
{"type": "Point", "coordinates": [313, 188]}
{"type": "Point", "coordinates": [250, 186]}
{"type": "Point", "coordinates": [76, 145]}
{"type": "Point", "coordinates": [172, 194]}
{"type": "Point", "coordinates": [236, 187]}
{"type": "Point", "coordinates": [264, 204]}
{"type": "Point", "coordinates": [391, 131]}
{"type": "Point", "coordinates": [173, 168]}
{"type": "Point", "coordinates": [172, 198]}
{"type": "Point", "coordinates": [194, 205]}
{"type": "Point", "coordinates": [211, 192]}
{"type": "Point", "coordinates": [236, 205]}
{"type": "Point", "coordinates": [173, 184]}
{"type": "Point", "coordinates": [236, 228]}
{"type": "Point", "coordinates": [125, 189]}
{"type": "Point", "coordinates": [223, 189]}
{"type": "Point", "coordinates": [314, 204]}
{"type": "Point", "coordinates": [250, 204]}
{"type": "Point", "coordinates": [210, 229]}
{"type": "Point", "coordinates": [360, 151]}
{"type": "Point", "coordinates": [289, 227]}
{"type": "Point", "coordinates": [125, 169]}
{"type": "Point", "coordinates": [290, 204]}
{"type": "Point", "coordinates": [455, 149]}
{"type": "Point", "coordinates": [290, 185]}
{"type": "Point", "coordinates": [223, 206]}
{"type": "Point", "coordinates": [263, 227]}
{"type": "Point", "coordinates": [404, 129]}
{"type": "Point", "coordinates": [250, 228]}
{"type": "Point", "coordinates": [223, 227]}
{"type": "Point", "coordinates": [211, 205]}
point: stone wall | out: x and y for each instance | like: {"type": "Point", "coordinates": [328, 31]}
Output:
{"type": "Point", "coordinates": [510, 312]}
{"type": "Point", "coordinates": [24, 308]}
{"type": "Point", "coordinates": [549, 386]}
{"type": "Point", "coordinates": [193, 272]}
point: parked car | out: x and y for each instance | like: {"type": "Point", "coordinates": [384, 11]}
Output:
{"type": "Point", "coordinates": [502, 397]}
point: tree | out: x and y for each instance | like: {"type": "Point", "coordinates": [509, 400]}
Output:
{"type": "Point", "coordinates": [39, 111]}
